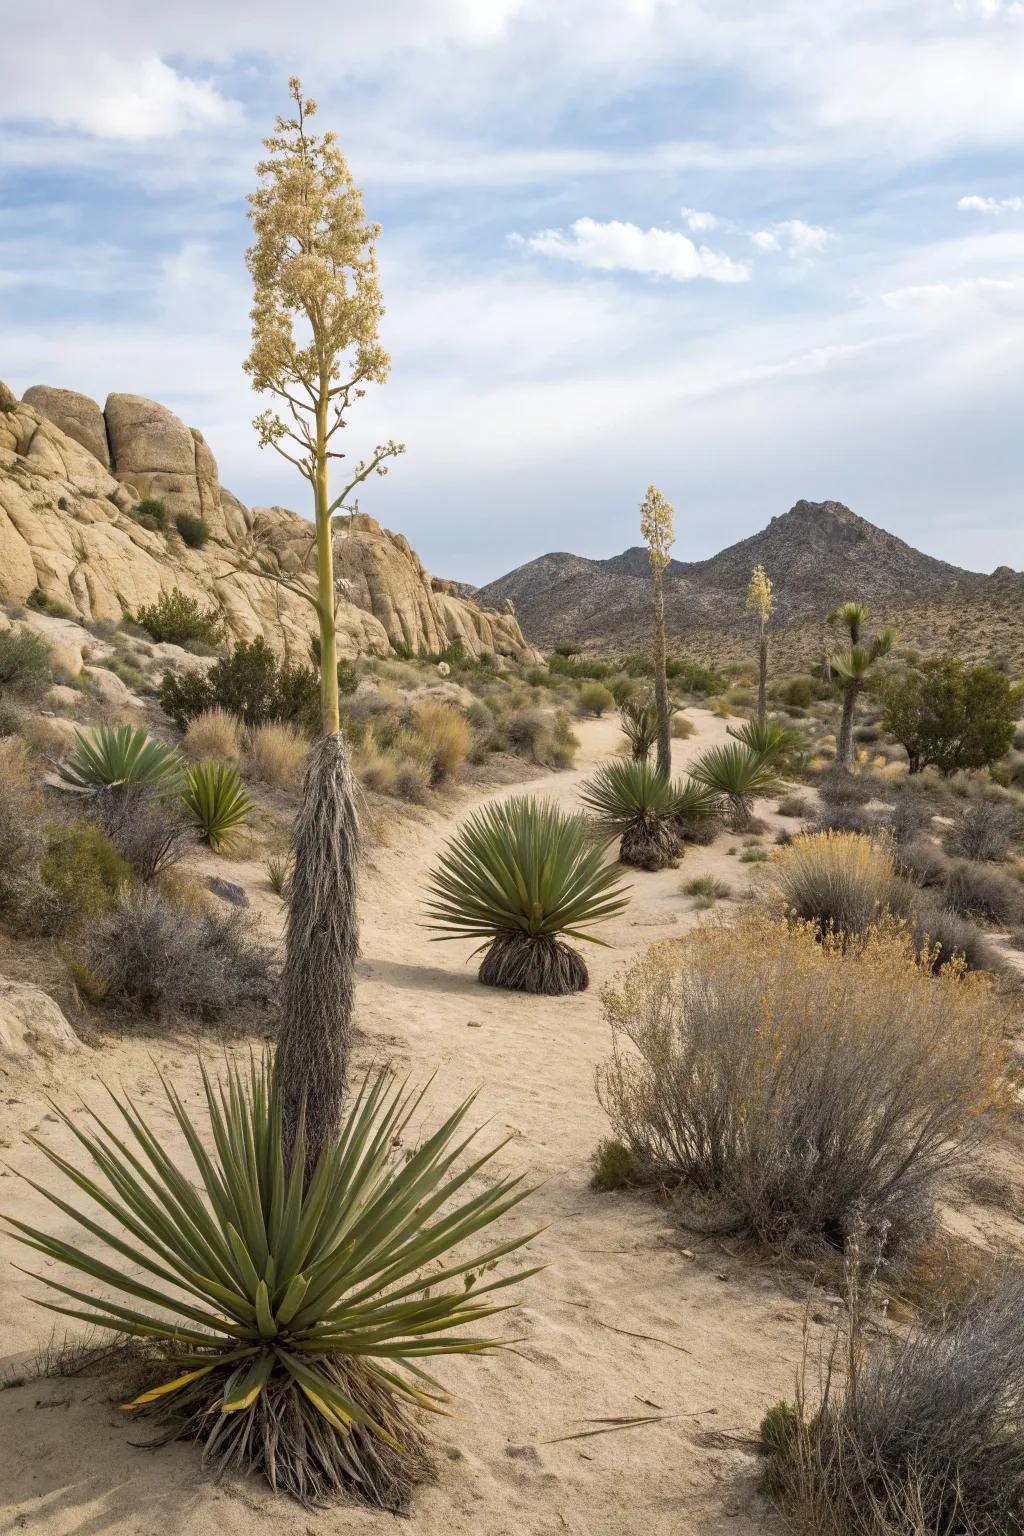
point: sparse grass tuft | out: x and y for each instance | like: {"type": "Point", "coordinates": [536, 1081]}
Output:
{"type": "Point", "coordinates": [276, 753]}
{"type": "Point", "coordinates": [214, 733]}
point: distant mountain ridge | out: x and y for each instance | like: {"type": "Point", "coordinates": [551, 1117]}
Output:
{"type": "Point", "coordinates": [818, 554]}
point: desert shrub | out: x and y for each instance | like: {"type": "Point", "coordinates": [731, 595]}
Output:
{"type": "Point", "coordinates": [844, 816]}
{"type": "Point", "coordinates": [179, 620]}
{"type": "Point", "coordinates": [151, 831]}
{"type": "Point", "coordinates": [85, 870]}
{"type": "Point", "coordinates": [911, 815]}
{"type": "Point", "coordinates": [925, 1435]}
{"type": "Point", "coordinates": [215, 800]}
{"type": "Point", "coordinates": [596, 699]}
{"type": "Point", "coordinates": [975, 890]}
{"type": "Point", "coordinates": [24, 662]}
{"type": "Point", "coordinates": [151, 513]}
{"type": "Point", "coordinates": [10, 722]}
{"type": "Point", "coordinates": [801, 1090]}
{"type": "Point", "coordinates": [249, 683]}
{"type": "Point", "coordinates": [518, 875]}
{"type": "Point", "coordinates": [950, 715]}
{"type": "Point", "coordinates": [445, 733]}
{"type": "Point", "coordinates": [108, 757]}
{"type": "Point", "coordinates": [195, 531]}
{"type": "Point", "coordinates": [412, 780]}
{"type": "Point", "coordinates": [612, 1165]}
{"type": "Point", "coordinates": [276, 753]}
{"type": "Point", "coordinates": [841, 882]}
{"type": "Point", "coordinates": [694, 678]}
{"type": "Point", "coordinates": [940, 935]}
{"type": "Point", "coordinates": [527, 732]}
{"type": "Point", "coordinates": [167, 961]}
{"type": "Point", "coordinates": [922, 862]}
{"type": "Point", "coordinates": [984, 829]}
{"type": "Point", "coordinates": [622, 688]}
{"type": "Point", "coordinates": [214, 733]}
{"type": "Point", "coordinates": [793, 805]}
{"type": "Point", "coordinates": [797, 692]}
{"type": "Point", "coordinates": [682, 727]}
{"type": "Point", "coordinates": [307, 1367]}
{"type": "Point", "coordinates": [839, 787]}
{"type": "Point", "coordinates": [564, 742]}
{"type": "Point", "coordinates": [707, 888]}
{"type": "Point", "coordinates": [576, 667]}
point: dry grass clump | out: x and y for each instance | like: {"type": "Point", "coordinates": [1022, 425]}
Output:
{"type": "Point", "coordinates": [925, 1437]}
{"type": "Point", "coordinates": [166, 961]}
{"type": "Point", "coordinates": [446, 735]}
{"type": "Point", "coordinates": [374, 767]}
{"type": "Point", "coordinates": [801, 1089]}
{"type": "Point", "coordinates": [842, 882]}
{"type": "Point", "coordinates": [215, 733]}
{"type": "Point", "coordinates": [276, 753]}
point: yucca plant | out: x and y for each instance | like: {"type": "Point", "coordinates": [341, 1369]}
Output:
{"type": "Point", "coordinates": [520, 875]}
{"type": "Point", "coordinates": [290, 1324]}
{"type": "Point", "coordinates": [782, 744]}
{"type": "Point", "coordinates": [736, 774]}
{"type": "Point", "coordinates": [635, 803]}
{"type": "Point", "coordinates": [639, 726]}
{"type": "Point", "coordinates": [696, 811]}
{"type": "Point", "coordinates": [110, 757]}
{"type": "Point", "coordinates": [855, 667]}
{"type": "Point", "coordinates": [216, 801]}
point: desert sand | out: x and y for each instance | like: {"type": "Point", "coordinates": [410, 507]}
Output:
{"type": "Point", "coordinates": [633, 1315]}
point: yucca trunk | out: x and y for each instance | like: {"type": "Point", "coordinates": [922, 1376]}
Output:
{"type": "Point", "coordinates": [321, 945]}
{"type": "Point", "coordinates": [649, 843]}
{"type": "Point", "coordinates": [536, 963]}
{"type": "Point", "coordinates": [329, 703]}
{"type": "Point", "coordinates": [664, 757]}
{"type": "Point", "coordinates": [844, 749]}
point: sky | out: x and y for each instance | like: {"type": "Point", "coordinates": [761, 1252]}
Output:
{"type": "Point", "coordinates": [749, 252]}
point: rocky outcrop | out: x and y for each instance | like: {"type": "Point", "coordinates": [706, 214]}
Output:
{"type": "Point", "coordinates": [31, 1023]}
{"type": "Point", "coordinates": [71, 476]}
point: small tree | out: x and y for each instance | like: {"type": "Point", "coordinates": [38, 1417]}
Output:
{"type": "Point", "coordinates": [658, 533]}
{"type": "Point", "coordinates": [760, 603]}
{"type": "Point", "coordinates": [316, 308]}
{"type": "Point", "coordinates": [855, 667]}
{"type": "Point", "coordinates": [951, 716]}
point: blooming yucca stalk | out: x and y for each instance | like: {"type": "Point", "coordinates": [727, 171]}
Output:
{"type": "Point", "coordinates": [291, 1320]}
{"type": "Point", "coordinates": [520, 874]}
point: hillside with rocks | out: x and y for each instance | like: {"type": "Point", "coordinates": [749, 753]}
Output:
{"type": "Point", "coordinates": [72, 476]}
{"type": "Point", "coordinates": [818, 555]}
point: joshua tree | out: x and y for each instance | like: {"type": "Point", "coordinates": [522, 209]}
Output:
{"type": "Point", "coordinates": [855, 667]}
{"type": "Point", "coordinates": [659, 535]}
{"type": "Point", "coordinates": [316, 308]}
{"type": "Point", "coordinates": [760, 604]}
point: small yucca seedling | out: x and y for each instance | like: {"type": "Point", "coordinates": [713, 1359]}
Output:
{"type": "Point", "coordinates": [279, 870]}
{"type": "Point", "coordinates": [736, 773]}
{"type": "Point", "coordinates": [293, 1319]}
{"type": "Point", "coordinates": [632, 801]}
{"type": "Point", "coordinates": [640, 726]}
{"type": "Point", "coordinates": [109, 758]}
{"type": "Point", "coordinates": [520, 875]}
{"type": "Point", "coordinates": [216, 801]}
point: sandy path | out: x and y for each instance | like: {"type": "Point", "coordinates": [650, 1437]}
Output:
{"type": "Point", "coordinates": [726, 1335]}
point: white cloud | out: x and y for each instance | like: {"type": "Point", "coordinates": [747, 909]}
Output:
{"type": "Point", "coordinates": [698, 222]}
{"type": "Point", "coordinates": [798, 239]}
{"type": "Point", "coordinates": [619, 247]}
{"type": "Point", "coordinates": [996, 205]}
{"type": "Point", "coordinates": [131, 99]}
{"type": "Point", "coordinates": [950, 293]}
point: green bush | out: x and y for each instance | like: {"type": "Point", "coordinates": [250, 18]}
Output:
{"type": "Point", "coordinates": [24, 661]}
{"type": "Point", "coordinates": [84, 869]}
{"type": "Point", "coordinates": [575, 667]}
{"type": "Point", "coordinates": [249, 683]}
{"type": "Point", "coordinates": [178, 619]}
{"type": "Point", "coordinates": [797, 692]}
{"type": "Point", "coordinates": [596, 699]}
{"type": "Point", "coordinates": [613, 1165]}
{"type": "Point", "coordinates": [151, 513]}
{"type": "Point", "coordinates": [695, 678]}
{"type": "Point", "coordinates": [952, 716]}
{"type": "Point", "coordinates": [195, 531]}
